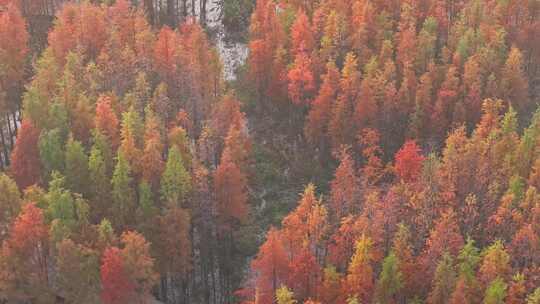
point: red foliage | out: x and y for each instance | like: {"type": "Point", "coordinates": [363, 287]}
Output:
{"type": "Point", "coordinates": [71, 31]}
{"type": "Point", "coordinates": [106, 120]}
{"type": "Point", "coordinates": [231, 190]}
{"type": "Point", "coordinates": [13, 46]}
{"type": "Point", "coordinates": [165, 51]}
{"type": "Point", "coordinates": [29, 231]}
{"type": "Point", "coordinates": [319, 115]}
{"type": "Point", "coordinates": [301, 34]}
{"type": "Point", "coordinates": [373, 169]}
{"type": "Point", "coordinates": [445, 237]}
{"type": "Point", "coordinates": [25, 163]}
{"type": "Point", "coordinates": [409, 161]}
{"type": "Point", "coordinates": [226, 114]}
{"type": "Point", "coordinates": [301, 80]}
{"type": "Point", "coordinates": [345, 187]}
{"type": "Point", "coordinates": [117, 288]}
{"type": "Point", "coordinates": [271, 267]}
{"type": "Point", "coordinates": [305, 274]}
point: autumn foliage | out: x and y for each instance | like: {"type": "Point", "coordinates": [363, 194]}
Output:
{"type": "Point", "coordinates": [367, 151]}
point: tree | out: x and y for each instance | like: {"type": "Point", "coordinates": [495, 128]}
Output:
{"type": "Point", "coordinates": [525, 247]}
{"type": "Point", "coordinates": [175, 181]}
{"type": "Point", "coordinates": [419, 125]}
{"type": "Point", "coordinates": [164, 53]}
{"type": "Point", "coordinates": [23, 259]}
{"type": "Point", "coordinates": [517, 290]}
{"type": "Point", "coordinates": [390, 281]}
{"type": "Point", "coordinates": [444, 281]}
{"type": "Point", "coordinates": [13, 54]}
{"type": "Point", "coordinates": [78, 272]}
{"type": "Point", "coordinates": [445, 237]}
{"type": "Point", "coordinates": [106, 121]}
{"type": "Point", "coordinates": [301, 34]}
{"type": "Point", "coordinates": [60, 207]}
{"type": "Point", "coordinates": [534, 297]}
{"type": "Point", "coordinates": [316, 126]}
{"type": "Point", "coordinates": [161, 103]}
{"type": "Point", "coordinates": [304, 273]}
{"type": "Point", "coordinates": [403, 250]}
{"type": "Point", "coordinates": [100, 186]}
{"type": "Point", "coordinates": [116, 285]}
{"type": "Point", "coordinates": [175, 236]}
{"type": "Point", "coordinates": [25, 161]}
{"type": "Point", "coordinates": [359, 279]}
{"type": "Point", "coordinates": [131, 134]}
{"type": "Point", "coordinates": [152, 161]}
{"type": "Point", "coordinates": [270, 266]}
{"type": "Point", "coordinates": [373, 169]}
{"type": "Point", "coordinates": [514, 85]}
{"type": "Point", "coordinates": [301, 80]}
{"type": "Point", "coordinates": [10, 202]}
{"type": "Point", "coordinates": [285, 296]}
{"type": "Point", "coordinates": [77, 173]}
{"type": "Point", "coordinates": [51, 152]}
{"type": "Point", "coordinates": [239, 144]}
{"type": "Point", "coordinates": [340, 128]}
{"type": "Point", "coordinates": [330, 291]}
{"type": "Point", "coordinates": [123, 194]}
{"type": "Point", "coordinates": [230, 186]}
{"type": "Point", "coordinates": [467, 286]}
{"type": "Point", "coordinates": [495, 263]}
{"type": "Point", "coordinates": [409, 162]}
{"type": "Point", "coordinates": [306, 224]}
{"type": "Point", "coordinates": [344, 193]}
{"type": "Point", "coordinates": [138, 263]}
{"type": "Point", "coordinates": [495, 292]}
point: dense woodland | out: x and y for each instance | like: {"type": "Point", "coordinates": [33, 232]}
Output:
{"type": "Point", "coordinates": [368, 151]}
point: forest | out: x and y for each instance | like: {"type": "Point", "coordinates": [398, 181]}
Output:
{"type": "Point", "coordinates": [365, 152]}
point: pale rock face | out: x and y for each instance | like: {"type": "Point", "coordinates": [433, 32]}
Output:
{"type": "Point", "coordinates": [233, 54]}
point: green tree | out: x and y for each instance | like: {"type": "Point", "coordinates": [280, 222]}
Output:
{"type": "Point", "coordinates": [51, 152]}
{"type": "Point", "coordinates": [10, 202]}
{"type": "Point", "coordinates": [100, 187]}
{"type": "Point", "coordinates": [122, 192]}
{"type": "Point", "coordinates": [61, 205]}
{"type": "Point", "coordinates": [77, 175]}
{"type": "Point", "coordinates": [102, 143]}
{"type": "Point", "coordinates": [175, 181]}
{"type": "Point", "coordinates": [444, 281]}
{"type": "Point", "coordinates": [77, 272]}
{"type": "Point", "coordinates": [390, 280]}
{"type": "Point", "coordinates": [495, 292]}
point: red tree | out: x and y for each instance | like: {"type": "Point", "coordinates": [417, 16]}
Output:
{"type": "Point", "coordinates": [164, 53]}
{"type": "Point", "coordinates": [409, 161]}
{"type": "Point", "coordinates": [301, 34]}
{"type": "Point", "coordinates": [106, 120]}
{"type": "Point", "coordinates": [231, 193]}
{"type": "Point", "coordinates": [270, 267]}
{"type": "Point", "coordinates": [445, 237]}
{"type": "Point", "coordinates": [13, 48]}
{"type": "Point", "coordinates": [25, 163]}
{"type": "Point", "coordinates": [344, 192]}
{"type": "Point", "coordinates": [319, 115]}
{"type": "Point", "coordinates": [301, 80]}
{"type": "Point", "coordinates": [117, 287]}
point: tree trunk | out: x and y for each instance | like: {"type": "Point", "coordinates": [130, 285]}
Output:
{"type": "Point", "coordinates": [10, 132]}
{"type": "Point", "coordinates": [171, 13]}
{"type": "Point", "coordinates": [149, 8]}
{"type": "Point", "coordinates": [202, 13]}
